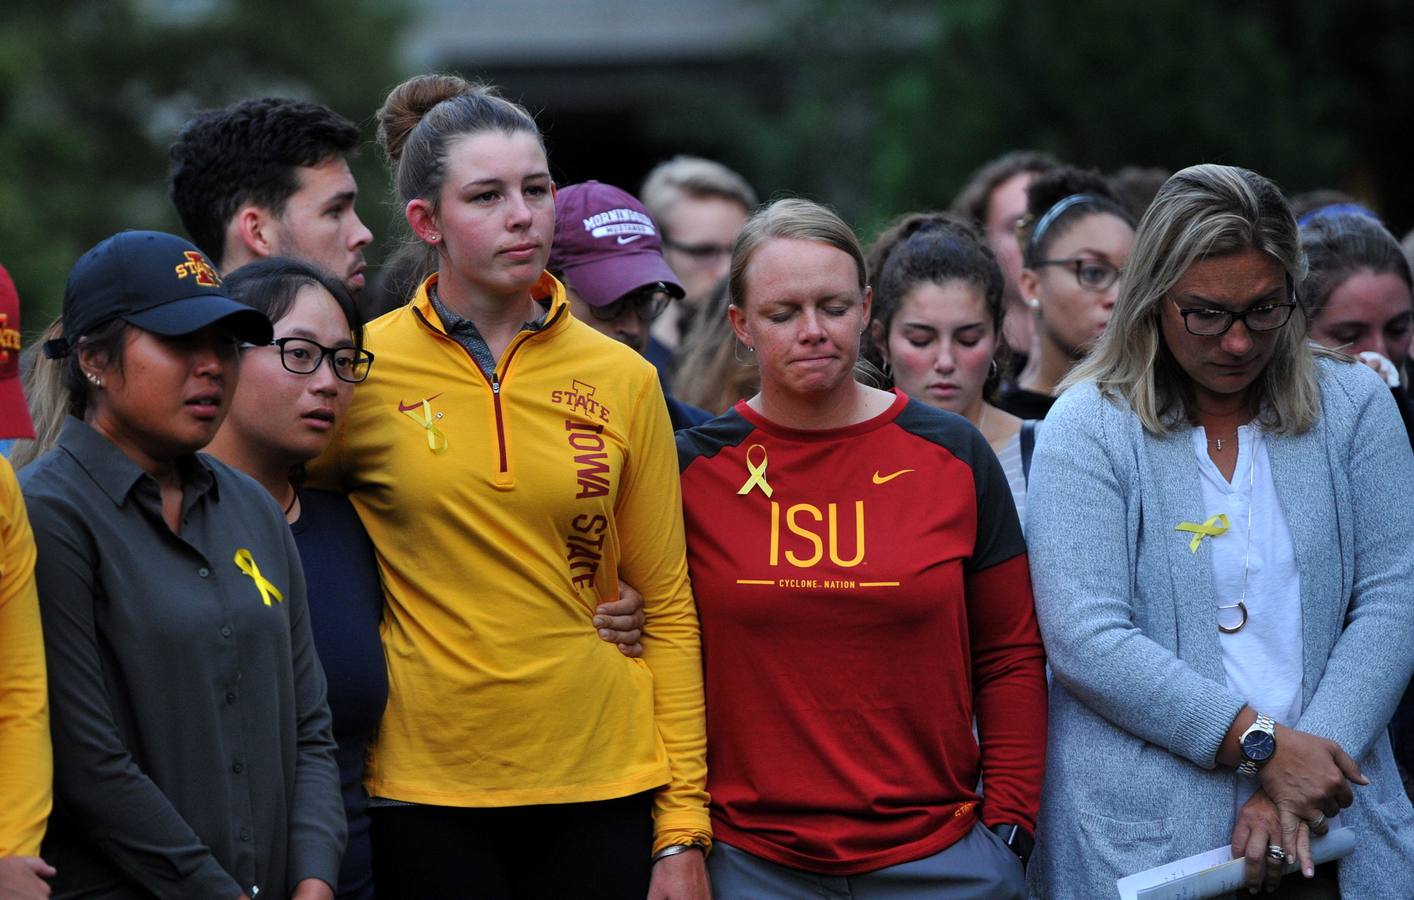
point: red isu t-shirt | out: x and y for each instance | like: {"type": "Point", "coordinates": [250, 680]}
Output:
{"type": "Point", "coordinates": [863, 593]}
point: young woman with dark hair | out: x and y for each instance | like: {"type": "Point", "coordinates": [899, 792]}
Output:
{"type": "Point", "coordinates": [936, 327]}
{"type": "Point", "coordinates": [1074, 243]}
{"type": "Point", "coordinates": [193, 752]}
{"type": "Point", "coordinates": [293, 393]}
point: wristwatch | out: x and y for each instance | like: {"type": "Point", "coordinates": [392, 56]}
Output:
{"type": "Point", "coordinates": [1017, 839]}
{"type": "Point", "coordinates": [1258, 744]}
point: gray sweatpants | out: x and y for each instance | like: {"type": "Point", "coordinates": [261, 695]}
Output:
{"type": "Point", "coordinates": [977, 867]}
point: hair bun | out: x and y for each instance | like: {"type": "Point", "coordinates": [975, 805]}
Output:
{"type": "Point", "coordinates": [409, 102]}
{"type": "Point", "coordinates": [909, 224]}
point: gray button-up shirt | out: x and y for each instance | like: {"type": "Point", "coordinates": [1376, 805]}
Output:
{"type": "Point", "coordinates": [193, 755]}
{"type": "Point", "coordinates": [465, 332]}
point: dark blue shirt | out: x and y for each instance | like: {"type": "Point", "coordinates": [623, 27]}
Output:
{"type": "Point", "coordinates": [345, 606]}
{"type": "Point", "coordinates": [682, 415]}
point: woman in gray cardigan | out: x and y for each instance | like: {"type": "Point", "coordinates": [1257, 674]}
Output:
{"type": "Point", "coordinates": [1218, 518]}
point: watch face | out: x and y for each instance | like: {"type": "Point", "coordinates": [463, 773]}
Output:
{"type": "Point", "coordinates": [1258, 746]}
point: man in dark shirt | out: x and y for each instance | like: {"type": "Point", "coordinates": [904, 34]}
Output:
{"type": "Point", "coordinates": [270, 177]}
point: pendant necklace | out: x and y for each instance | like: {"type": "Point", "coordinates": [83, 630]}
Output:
{"type": "Point", "coordinates": [1241, 604]}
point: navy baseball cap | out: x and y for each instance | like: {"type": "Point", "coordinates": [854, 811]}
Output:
{"type": "Point", "coordinates": [158, 282]}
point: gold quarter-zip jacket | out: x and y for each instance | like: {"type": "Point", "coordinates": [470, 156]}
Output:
{"type": "Point", "coordinates": [504, 507]}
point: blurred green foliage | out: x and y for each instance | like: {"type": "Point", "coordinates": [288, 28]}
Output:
{"type": "Point", "coordinates": [875, 106]}
{"type": "Point", "coordinates": [92, 93]}
{"type": "Point", "coordinates": [884, 106]}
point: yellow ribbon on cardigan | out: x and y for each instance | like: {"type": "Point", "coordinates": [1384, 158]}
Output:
{"type": "Point", "coordinates": [757, 473]}
{"type": "Point", "coordinates": [1215, 526]}
{"type": "Point", "coordinates": [246, 563]}
{"type": "Point", "coordinates": [436, 440]}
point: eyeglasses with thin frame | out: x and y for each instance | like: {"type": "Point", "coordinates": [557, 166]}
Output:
{"type": "Point", "coordinates": [649, 302]}
{"type": "Point", "coordinates": [699, 252]}
{"type": "Point", "coordinates": [1092, 274]}
{"type": "Point", "coordinates": [1205, 322]}
{"type": "Point", "coordinates": [301, 356]}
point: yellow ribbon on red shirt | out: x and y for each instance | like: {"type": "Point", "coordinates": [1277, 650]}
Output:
{"type": "Point", "coordinates": [246, 563]}
{"type": "Point", "coordinates": [756, 473]}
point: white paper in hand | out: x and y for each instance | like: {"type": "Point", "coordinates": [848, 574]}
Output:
{"type": "Point", "coordinates": [1215, 872]}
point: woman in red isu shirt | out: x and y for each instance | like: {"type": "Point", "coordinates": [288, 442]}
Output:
{"type": "Point", "coordinates": [862, 585]}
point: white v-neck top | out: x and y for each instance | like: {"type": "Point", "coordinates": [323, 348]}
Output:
{"type": "Point", "coordinates": [1264, 660]}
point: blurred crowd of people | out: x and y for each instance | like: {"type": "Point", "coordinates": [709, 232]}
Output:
{"type": "Point", "coordinates": [677, 545]}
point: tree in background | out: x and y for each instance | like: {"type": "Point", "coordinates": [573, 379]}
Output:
{"type": "Point", "coordinates": [881, 107]}
{"type": "Point", "coordinates": [92, 93]}
{"type": "Point", "coordinates": [875, 106]}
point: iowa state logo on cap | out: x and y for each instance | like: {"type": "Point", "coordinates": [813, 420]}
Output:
{"type": "Point", "coordinates": [196, 265]}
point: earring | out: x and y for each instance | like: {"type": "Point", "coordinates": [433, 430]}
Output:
{"type": "Point", "coordinates": [1033, 303]}
{"type": "Point", "coordinates": [992, 371]}
{"type": "Point", "coordinates": [433, 238]}
{"type": "Point", "coordinates": [93, 379]}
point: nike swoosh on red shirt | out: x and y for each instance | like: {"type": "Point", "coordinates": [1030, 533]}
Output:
{"type": "Point", "coordinates": [883, 479]}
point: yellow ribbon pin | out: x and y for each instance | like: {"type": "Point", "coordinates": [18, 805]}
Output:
{"type": "Point", "coordinates": [246, 563]}
{"type": "Point", "coordinates": [436, 440]}
{"type": "Point", "coordinates": [1215, 526]}
{"type": "Point", "coordinates": [757, 477]}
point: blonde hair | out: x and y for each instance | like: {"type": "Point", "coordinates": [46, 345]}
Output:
{"type": "Point", "coordinates": [713, 371]}
{"type": "Point", "coordinates": [801, 220]}
{"type": "Point", "coordinates": [792, 219]}
{"type": "Point", "coordinates": [47, 396]}
{"type": "Point", "coordinates": [692, 176]}
{"type": "Point", "coordinates": [1202, 212]}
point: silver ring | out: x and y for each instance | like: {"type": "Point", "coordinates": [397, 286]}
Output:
{"type": "Point", "coordinates": [1276, 853]}
{"type": "Point", "coordinates": [1316, 822]}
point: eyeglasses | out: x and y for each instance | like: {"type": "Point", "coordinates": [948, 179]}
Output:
{"type": "Point", "coordinates": [1092, 274]}
{"type": "Point", "coordinates": [649, 302]}
{"type": "Point", "coordinates": [1213, 322]}
{"type": "Point", "coordinates": [699, 252]}
{"type": "Point", "coordinates": [303, 356]}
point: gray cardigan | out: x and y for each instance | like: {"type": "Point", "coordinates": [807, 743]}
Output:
{"type": "Point", "coordinates": [1140, 702]}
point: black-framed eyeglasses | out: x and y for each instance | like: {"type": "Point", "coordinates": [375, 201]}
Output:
{"type": "Point", "coordinates": [1093, 274]}
{"type": "Point", "coordinates": [302, 356]}
{"type": "Point", "coordinates": [698, 252]}
{"type": "Point", "coordinates": [1205, 322]}
{"type": "Point", "coordinates": [649, 302]}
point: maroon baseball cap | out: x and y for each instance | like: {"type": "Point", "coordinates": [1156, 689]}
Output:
{"type": "Point", "coordinates": [14, 414]}
{"type": "Point", "coordinates": [606, 244]}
